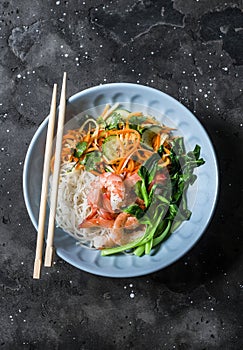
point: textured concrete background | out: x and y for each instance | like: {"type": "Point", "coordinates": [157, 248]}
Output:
{"type": "Point", "coordinates": [190, 49]}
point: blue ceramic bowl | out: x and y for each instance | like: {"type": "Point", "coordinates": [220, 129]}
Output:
{"type": "Point", "coordinates": [202, 195]}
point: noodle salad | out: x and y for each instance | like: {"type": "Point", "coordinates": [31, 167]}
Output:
{"type": "Point", "coordinates": [123, 182]}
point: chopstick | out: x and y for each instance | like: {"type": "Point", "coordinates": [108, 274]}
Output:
{"type": "Point", "coordinates": [53, 200]}
{"type": "Point", "coordinates": [44, 188]}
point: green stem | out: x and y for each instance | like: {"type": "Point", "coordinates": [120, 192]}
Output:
{"type": "Point", "coordinates": [148, 246]}
{"type": "Point", "coordinates": [139, 250]}
{"type": "Point", "coordinates": [145, 194]}
{"type": "Point", "coordinates": [162, 236]}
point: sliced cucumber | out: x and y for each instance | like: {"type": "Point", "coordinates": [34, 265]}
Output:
{"type": "Point", "coordinates": [149, 133]}
{"type": "Point", "coordinates": [123, 113]}
{"type": "Point", "coordinates": [111, 148]}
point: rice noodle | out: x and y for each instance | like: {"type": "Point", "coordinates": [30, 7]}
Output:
{"type": "Point", "coordinates": [72, 203]}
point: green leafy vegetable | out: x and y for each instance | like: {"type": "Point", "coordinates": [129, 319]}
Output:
{"type": "Point", "coordinates": [136, 121]}
{"type": "Point", "coordinates": [80, 148]}
{"type": "Point", "coordinates": [135, 210]}
{"type": "Point", "coordinates": [91, 159]}
{"type": "Point", "coordinates": [114, 121]}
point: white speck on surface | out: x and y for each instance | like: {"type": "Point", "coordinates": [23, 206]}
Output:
{"type": "Point", "coordinates": [19, 76]}
{"type": "Point", "coordinates": [225, 68]}
{"type": "Point", "coordinates": [132, 295]}
{"type": "Point", "coordinates": [58, 3]}
{"type": "Point", "coordinates": [66, 55]}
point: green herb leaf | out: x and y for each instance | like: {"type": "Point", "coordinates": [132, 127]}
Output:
{"type": "Point", "coordinates": [80, 148]}
{"type": "Point", "coordinates": [91, 159]}
{"type": "Point", "coordinates": [138, 191]}
{"type": "Point", "coordinates": [136, 121]}
{"type": "Point", "coordinates": [114, 121]}
{"type": "Point", "coordinates": [134, 210]}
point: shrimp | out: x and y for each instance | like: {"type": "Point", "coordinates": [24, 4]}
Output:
{"type": "Point", "coordinates": [98, 221]}
{"type": "Point", "coordinates": [107, 193]}
{"type": "Point", "coordinates": [113, 186]}
{"type": "Point", "coordinates": [117, 236]}
{"type": "Point", "coordinates": [116, 233]}
{"type": "Point", "coordinates": [131, 223]}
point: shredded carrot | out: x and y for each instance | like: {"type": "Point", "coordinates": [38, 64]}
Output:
{"type": "Point", "coordinates": [156, 142]}
{"type": "Point", "coordinates": [166, 150]}
{"type": "Point", "coordinates": [87, 138]}
{"type": "Point", "coordinates": [167, 162]}
{"type": "Point", "coordinates": [91, 149]}
{"type": "Point", "coordinates": [120, 165]}
{"type": "Point", "coordinates": [124, 131]}
{"type": "Point", "coordinates": [95, 172]}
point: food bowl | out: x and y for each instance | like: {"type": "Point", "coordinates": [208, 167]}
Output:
{"type": "Point", "coordinates": [202, 195]}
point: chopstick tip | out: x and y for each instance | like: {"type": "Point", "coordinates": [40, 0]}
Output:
{"type": "Point", "coordinates": [37, 269]}
{"type": "Point", "coordinates": [49, 256]}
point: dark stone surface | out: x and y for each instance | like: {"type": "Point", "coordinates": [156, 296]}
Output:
{"type": "Point", "coordinates": [190, 49]}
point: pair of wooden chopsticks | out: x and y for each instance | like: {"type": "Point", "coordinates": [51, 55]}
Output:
{"type": "Point", "coordinates": [45, 179]}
